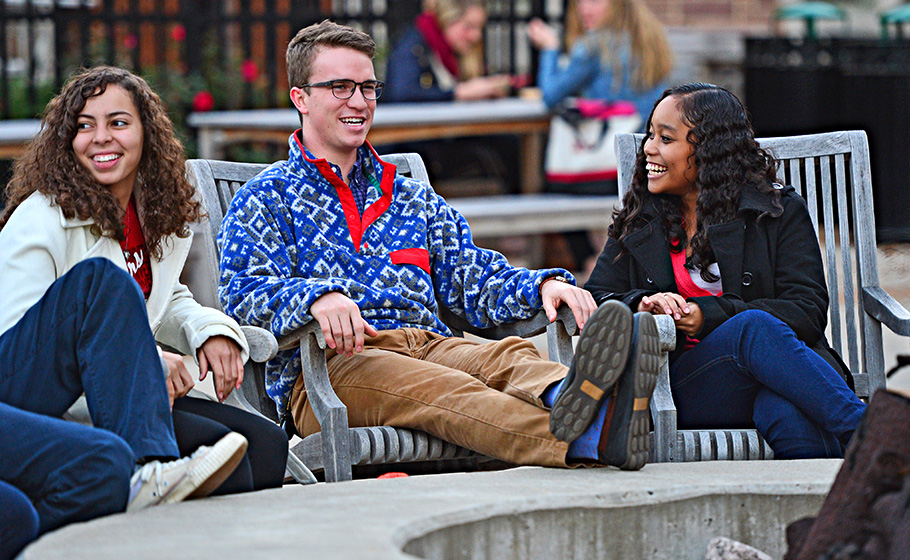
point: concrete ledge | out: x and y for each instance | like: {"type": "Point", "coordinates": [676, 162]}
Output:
{"type": "Point", "coordinates": [663, 511]}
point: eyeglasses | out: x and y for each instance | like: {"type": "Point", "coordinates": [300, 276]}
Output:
{"type": "Point", "coordinates": [344, 89]}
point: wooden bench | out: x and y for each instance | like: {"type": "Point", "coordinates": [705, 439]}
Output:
{"type": "Point", "coordinates": [337, 447]}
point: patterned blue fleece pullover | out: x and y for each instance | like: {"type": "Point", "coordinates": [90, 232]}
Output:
{"type": "Point", "coordinates": [293, 233]}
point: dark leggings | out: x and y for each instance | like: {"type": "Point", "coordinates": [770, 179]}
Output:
{"type": "Point", "coordinates": [202, 422]}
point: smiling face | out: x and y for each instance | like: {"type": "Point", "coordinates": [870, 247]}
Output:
{"type": "Point", "coordinates": [108, 141]}
{"type": "Point", "coordinates": [669, 154]}
{"type": "Point", "coordinates": [467, 32]}
{"type": "Point", "coordinates": [593, 14]}
{"type": "Point", "coordinates": [334, 128]}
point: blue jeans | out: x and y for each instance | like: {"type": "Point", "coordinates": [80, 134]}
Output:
{"type": "Point", "coordinates": [88, 333]}
{"type": "Point", "coordinates": [69, 472]}
{"type": "Point", "coordinates": [18, 521]}
{"type": "Point", "coordinates": [753, 371]}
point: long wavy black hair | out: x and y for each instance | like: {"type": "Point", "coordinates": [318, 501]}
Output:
{"type": "Point", "coordinates": [727, 160]}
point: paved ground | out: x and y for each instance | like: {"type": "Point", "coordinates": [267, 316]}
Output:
{"type": "Point", "coordinates": [661, 512]}
{"type": "Point", "coordinates": [894, 275]}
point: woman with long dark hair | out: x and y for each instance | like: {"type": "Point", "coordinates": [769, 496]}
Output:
{"type": "Point", "coordinates": [707, 236]}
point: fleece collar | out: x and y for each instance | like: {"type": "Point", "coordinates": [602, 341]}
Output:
{"type": "Point", "coordinates": [357, 224]}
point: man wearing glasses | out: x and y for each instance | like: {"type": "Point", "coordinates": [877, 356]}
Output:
{"type": "Point", "coordinates": [335, 234]}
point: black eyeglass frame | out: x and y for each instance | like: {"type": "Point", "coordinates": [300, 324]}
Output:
{"type": "Point", "coordinates": [377, 86]}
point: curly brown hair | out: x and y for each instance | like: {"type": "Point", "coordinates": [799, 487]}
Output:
{"type": "Point", "coordinates": [164, 198]}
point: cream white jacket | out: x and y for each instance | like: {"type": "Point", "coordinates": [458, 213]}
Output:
{"type": "Point", "coordinates": [39, 245]}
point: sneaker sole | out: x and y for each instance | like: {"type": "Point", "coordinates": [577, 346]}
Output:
{"type": "Point", "coordinates": [628, 443]}
{"type": "Point", "coordinates": [601, 355]}
{"type": "Point", "coordinates": [212, 470]}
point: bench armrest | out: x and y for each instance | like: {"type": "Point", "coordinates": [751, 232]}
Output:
{"type": "Point", "coordinates": [262, 343]}
{"type": "Point", "coordinates": [663, 409]}
{"type": "Point", "coordinates": [293, 338]}
{"type": "Point", "coordinates": [879, 304]}
{"type": "Point", "coordinates": [330, 412]}
{"type": "Point", "coordinates": [525, 328]}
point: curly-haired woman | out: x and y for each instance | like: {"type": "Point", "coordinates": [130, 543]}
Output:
{"type": "Point", "coordinates": [105, 178]}
{"type": "Point", "coordinates": [707, 236]}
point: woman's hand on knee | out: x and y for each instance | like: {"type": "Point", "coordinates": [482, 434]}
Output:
{"type": "Point", "coordinates": [222, 356]}
{"type": "Point", "coordinates": [179, 380]}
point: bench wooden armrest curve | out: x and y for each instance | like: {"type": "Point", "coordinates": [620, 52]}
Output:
{"type": "Point", "coordinates": [262, 343]}
{"type": "Point", "coordinates": [292, 339]}
{"type": "Point", "coordinates": [882, 306]}
{"type": "Point", "coordinates": [525, 328]}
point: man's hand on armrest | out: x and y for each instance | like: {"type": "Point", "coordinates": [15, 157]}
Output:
{"type": "Point", "coordinates": [580, 301]}
{"type": "Point", "coordinates": [342, 325]}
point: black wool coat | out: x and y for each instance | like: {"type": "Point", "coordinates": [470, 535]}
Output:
{"type": "Point", "coordinates": [769, 259]}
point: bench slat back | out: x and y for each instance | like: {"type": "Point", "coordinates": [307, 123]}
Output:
{"type": "Point", "coordinates": [832, 173]}
{"type": "Point", "coordinates": [218, 182]}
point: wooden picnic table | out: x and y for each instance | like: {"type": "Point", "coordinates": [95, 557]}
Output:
{"type": "Point", "coordinates": [397, 122]}
{"type": "Point", "coordinates": [15, 136]}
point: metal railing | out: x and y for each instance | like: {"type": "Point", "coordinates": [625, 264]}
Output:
{"type": "Point", "coordinates": [232, 49]}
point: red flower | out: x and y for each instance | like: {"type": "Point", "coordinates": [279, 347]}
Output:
{"type": "Point", "coordinates": [131, 41]}
{"type": "Point", "coordinates": [249, 71]}
{"type": "Point", "coordinates": [203, 101]}
{"type": "Point", "coordinates": [178, 33]}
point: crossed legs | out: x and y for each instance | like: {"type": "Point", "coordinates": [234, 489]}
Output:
{"type": "Point", "coordinates": [753, 370]}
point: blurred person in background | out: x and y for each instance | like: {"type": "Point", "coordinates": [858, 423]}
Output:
{"type": "Point", "coordinates": [618, 51]}
{"type": "Point", "coordinates": [441, 59]}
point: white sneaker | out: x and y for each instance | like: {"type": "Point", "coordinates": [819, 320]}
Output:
{"type": "Point", "coordinates": [191, 477]}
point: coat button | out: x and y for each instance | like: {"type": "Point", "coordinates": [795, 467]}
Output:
{"type": "Point", "coordinates": [650, 281]}
{"type": "Point", "coordinates": [747, 279]}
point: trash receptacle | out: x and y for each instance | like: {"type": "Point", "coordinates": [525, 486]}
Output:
{"type": "Point", "coordinates": [876, 98]}
{"type": "Point", "coordinates": [799, 87]}
{"type": "Point", "coordinates": [791, 86]}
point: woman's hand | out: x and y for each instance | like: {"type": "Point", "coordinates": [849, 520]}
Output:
{"type": "Point", "coordinates": [222, 355]}
{"type": "Point", "coordinates": [665, 303]}
{"type": "Point", "coordinates": [542, 36]}
{"type": "Point", "coordinates": [692, 322]}
{"type": "Point", "coordinates": [686, 315]}
{"type": "Point", "coordinates": [179, 381]}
